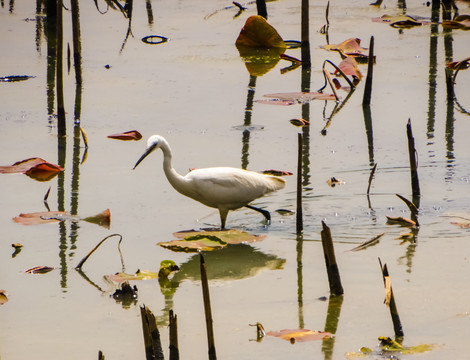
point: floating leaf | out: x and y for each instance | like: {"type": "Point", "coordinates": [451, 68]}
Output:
{"type": "Point", "coordinates": [45, 217]}
{"type": "Point", "coordinates": [285, 212]}
{"type": "Point", "coordinates": [195, 243]}
{"type": "Point", "coordinates": [459, 22]}
{"type": "Point", "coordinates": [295, 98]}
{"type": "Point", "coordinates": [231, 237]}
{"type": "Point", "coordinates": [300, 122]}
{"type": "Point", "coordinates": [299, 335]}
{"type": "Point", "coordinates": [277, 172]}
{"type": "Point", "coordinates": [36, 168]}
{"type": "Point", "coordinates": [394, 18]}
{"type": "Point", "coordinates": [388, 348]}
{"type": "Point", "coordinates": [350, 46]}
{"type": "Point", "coordinates": [128, 135]}
{"type": "Point", "coordinates": [405, 24]}
{"type": "Point", "coordinates": [462, 225]}
{"type": "Point", "coordinates": [459, 65]}
{"type": "Point", "coordinates": [334, 181]}
{"type": "Point", "coordinates": [102, 219]}
{"type": "Point", "coordinates": [39, 270]}
{"type": "Point", "coordinates": [139, 275]}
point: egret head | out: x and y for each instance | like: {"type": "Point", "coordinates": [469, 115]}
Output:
{"type": "Point", "coordinates": [153, 143]}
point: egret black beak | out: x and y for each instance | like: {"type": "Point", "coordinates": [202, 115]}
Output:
{"type": "Point", "coordinates": [145, 154]}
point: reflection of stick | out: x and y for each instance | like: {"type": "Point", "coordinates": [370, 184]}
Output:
{"type": "Point", "coordinates": [207, 309]}
{"type": "Point", "coordinates": [370, 71]}
{"type": "Point", "coordinates": [80, 264]}
{"type": "Point", "coordinates": [372, 172]}
{"type": "Point", "coordinates": [299, 221]}
{"type": "Point", "coordinates": [390, 301]}
{"type": "Point", "coordinates": [174, 351]}
{"type": "Point", "coordinates": [331, 267]}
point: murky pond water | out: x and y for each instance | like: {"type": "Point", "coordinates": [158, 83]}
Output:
{"type": "Point", "coordinates": [194, 90]}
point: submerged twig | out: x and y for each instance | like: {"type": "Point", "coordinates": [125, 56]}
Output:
{"type": "Point", "coordinates": [368, 243]}
{"type": "Point", "coordinates": [80, 264]}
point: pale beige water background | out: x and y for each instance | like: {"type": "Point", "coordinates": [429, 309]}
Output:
{"type": "Point", "coordinates": [193, 90]}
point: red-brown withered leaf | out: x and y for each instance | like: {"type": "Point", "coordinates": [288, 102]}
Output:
{"type": "Point", "coordinates": [128, 135]}
{"type": "Point", "coordinates": [349, 46]}
{"type": "Point", "coordinates": [43, 217]}
{"type": "Point", "coordinates": [349, 67]}
{"type": "Point", "coordinates": [36, 168]}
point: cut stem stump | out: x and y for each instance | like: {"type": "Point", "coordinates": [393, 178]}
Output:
{"type": "Point", "coordinates": [174, 350]}
{"type": "Point", "coordinates": [330, 259]}
{"type": "Point", "coordinates": [390, 301]}
{"type": "Point", "coordinates": [153, 346]}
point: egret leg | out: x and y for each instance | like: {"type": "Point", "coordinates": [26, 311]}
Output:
{"type": "Point", "coordinates": [265, 213]}
{"type": "Point", "coordinates": [223, 218]}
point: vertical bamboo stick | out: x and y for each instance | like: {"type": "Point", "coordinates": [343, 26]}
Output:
{"type": "Point", "coordinates": [413, 162]}
{"type": "Point", "coordinates": [207, 310]}
{"type": "Point", "coordinates": [334, 278]}
{"type": "Point", "coordinates": [370, 72]}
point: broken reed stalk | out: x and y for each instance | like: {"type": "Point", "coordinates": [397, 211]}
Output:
{"type": "Point", "coordinates": [100, 355]}
{"type": "Point", "coordinates": [153, 346]}
{"type": "Point", "coordinates": [299, 212]}
{"type": "Point", "coordinates": [334, 278]}
{"type": "Point", "coordinates": [80, 264]}
{"type": "Point", "coordinates": [174, 350]}
{"type": "Point", "coordinates": [390, 301]}
{"type": "Point", "coordinates": [370, 72]}
{"type": "Point", "coordinates": [371, 176]}
{"type": "Point", "coordinates": [413, 161]}
{"type": "Point", "coordinates": [207, 309]}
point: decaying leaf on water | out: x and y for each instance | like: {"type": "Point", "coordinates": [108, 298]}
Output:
{"type": "Point", "coordinates": [231, 237]}
{"type": "Point", "coordinates": [459, 22]}
{"type": "Point", "coordinates": [293, 98]}
{"type": "Point", "coordinates": [366, 244]}
{"type": "Point", "coordinates": [39, 270]}
{"type": "Point", "coordinates": [349, 67]}
{"type": "Point", "coordinates": [300, 122]}
{"type": "Point", "coordinates": [299, 335]}
{"type": "Point", "coordinates": [45, 217]}
{"type": "Point", "coordinates": [459, 65]}
{"type": "Point", "coordinates": [348, 47]}
{"type": "Point", "coordinates": [401, 21]}
{"type": "Point", "coordinates": [334, 181]}
{"type": "Point", "coordinates": [195, 243]}
{"type": "Point", "coordinates": [3, 297]}
{"type": "Point", "coordinates": [462, 225]}
{"type": "Point", "coordinates": [389, 348]}
{"type": "Point", "coordinates": [166, 268]}
{"type": "Point", "coordinates": [14, 78]}
{"type": "Point", "coordinates": [285, 212]}
{"type": "Point", "coordinates": [277, 172]}
{"type": "Point", "coordinates": [400, 221]}
{"type": "Point", "coordinates": [18, 247]}
{"type": "Point", "coordinates": [128, 135]}
{"type": "Point", "coordinates": [36, 168]}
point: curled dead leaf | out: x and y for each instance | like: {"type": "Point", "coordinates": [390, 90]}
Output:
{"type": "Point", "coordinates": [36, 168]}
{"type": "Point", "coordinates": [299, 335]}
{"type": "Point", "coordinates": [401, 221]}
{"type": "Point", "coordinates": [128, 135]}
{"type": "Point", "coordinates": [277, 172]}
{"type": "Point", "coordinates": [39, 270]}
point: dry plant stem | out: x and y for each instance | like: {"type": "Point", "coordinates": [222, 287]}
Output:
{"type": "Point", "coordinates": [80, 264]}
{"type": "Point", "coordinates": [305, 35]}
{"type": "Point", "coordinates": [299, 213]}
{"type": "Point", "coordinates": [371, 176]}
{"type": "Point", "coordinates": [341, 72]}
{"type": "Point", "coordinates": [207, 309]}
{"type": "Point", "coordinates": [370, 71]}
{"type": "Point", "coordinates": [392, 305]}
{"type": "Point", "coordinates": [174, 351]}
{"type": "Point", "coordinates": [328, 78]}
{"type": "Point", "coordinates": [413, 160]}
{"type": "Point", "coordinates": [334, 278]}
{"type": "Point", "coordinates": [153, 346]}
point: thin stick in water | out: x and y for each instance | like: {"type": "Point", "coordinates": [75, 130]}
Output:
{"type": "Point", "coordinates": [370, 72]}
{"type": "Point", "coordinates": [413, 161]}
{"type": "Point", "coordinates": [299, 213]}
{"type": "Point", "coordinates": [371, 176]}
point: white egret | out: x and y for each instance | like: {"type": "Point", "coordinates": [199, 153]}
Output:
{"type": "Point", "coordinates": [223, 188]}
